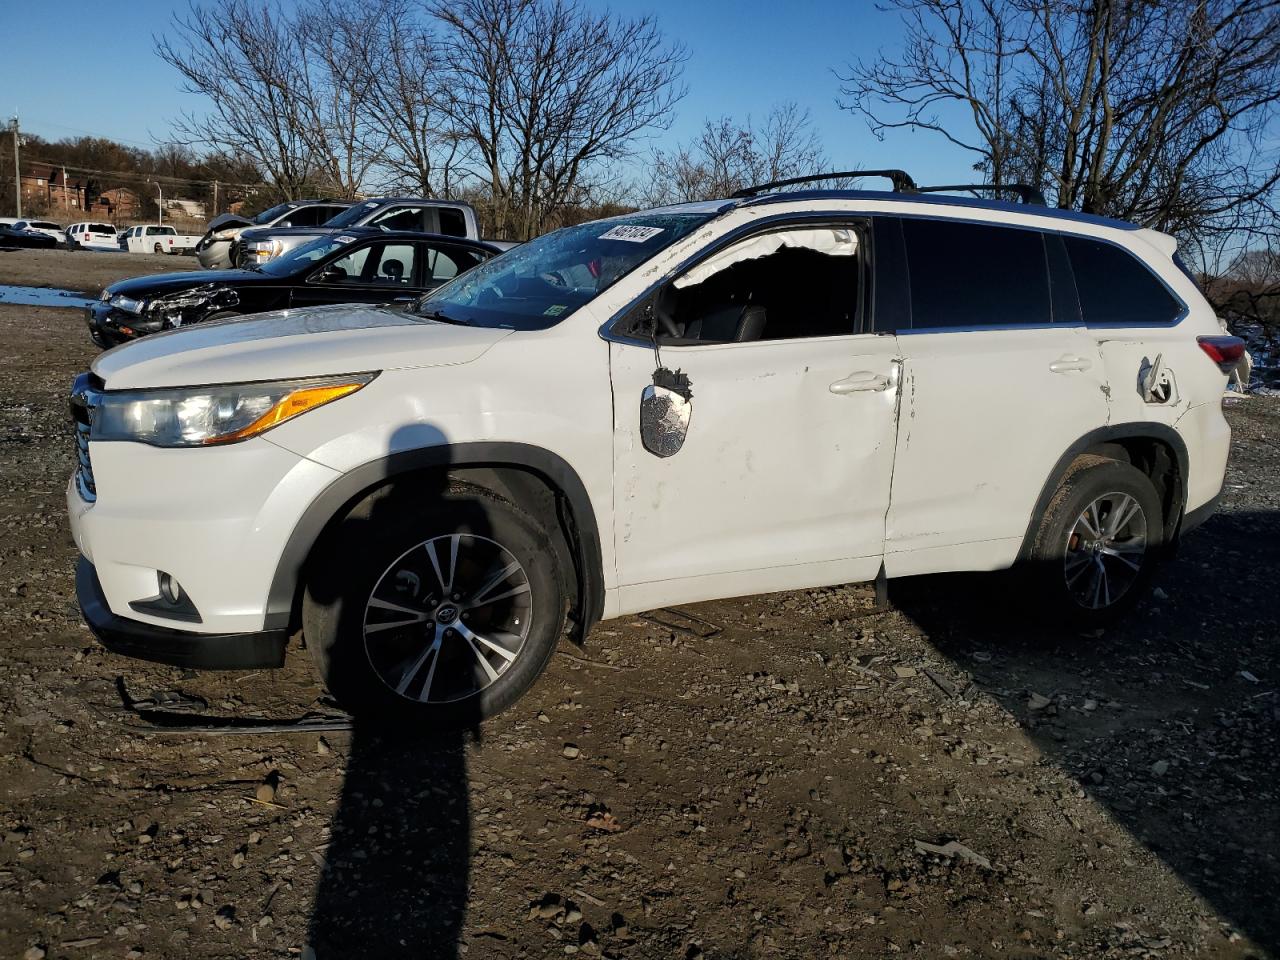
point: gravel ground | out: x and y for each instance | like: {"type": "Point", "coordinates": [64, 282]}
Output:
{"type": "Point", "coordinates": [796, 775]}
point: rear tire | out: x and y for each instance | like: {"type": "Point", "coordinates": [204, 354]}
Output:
{"type": "Point", "coordinates": [1098, 543]}
{"type": "Point", "coordinates": [433, 611]}
{"type": "Point", "coordinates": [157, 248]}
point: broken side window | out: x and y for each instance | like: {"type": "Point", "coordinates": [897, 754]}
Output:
{"type": "Point", "coordinates": [780, 285]}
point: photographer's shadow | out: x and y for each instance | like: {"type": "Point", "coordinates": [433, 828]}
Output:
{"type": "Point", "coordinates": [397, 868]}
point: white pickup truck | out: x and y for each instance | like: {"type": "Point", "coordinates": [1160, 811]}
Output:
{"type": "Point", "coordinates": [153, 239]}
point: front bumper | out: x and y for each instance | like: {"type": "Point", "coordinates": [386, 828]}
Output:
{"type": "Point", "coordinates": [183, 648]}
{"type": "Point", "coordinates": [215, 255]}
{"type": "Point", "coordinates": [113, 326]}
{"type": "Point", "coordinates": [215, 519]}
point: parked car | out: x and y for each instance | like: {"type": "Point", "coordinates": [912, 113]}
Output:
{"type": "Point", "coordinates": [448, 217]}
{"type": "Point", "coordinates": [361, 266]}
{"type": "Point", "coordinates": [157, 239]}
{"type": "Point", "coordinates": [92, 235]}
{"type": "Point", "coordinates": [47, 227]}
{"type": "Point", "coordinates": [218, 248]}
{"type": "Point", "coordinates": [772, 392]}
{"type": "Point", "coordinates": [16, 235]}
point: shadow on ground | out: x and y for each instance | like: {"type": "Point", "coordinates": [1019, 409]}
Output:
{"type": "Point", "coordinates": [397, 868]}
{"type": "Point", "coordinates": [396, 877]}
{"type": "Point", "coordinates": [1170, 720]}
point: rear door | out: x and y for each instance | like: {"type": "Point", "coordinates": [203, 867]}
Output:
{"type": "Point", "coordinates": [999, 379]}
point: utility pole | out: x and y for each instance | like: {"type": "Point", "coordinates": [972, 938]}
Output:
{"type": "Point", "coordinates": [214, 212]}
{"type": "Point", "coordinates": [65, 202]}
{"type": "Point", "coordinates": [159, 204]}
{"type": "Point", "coordinates": [17, 176]}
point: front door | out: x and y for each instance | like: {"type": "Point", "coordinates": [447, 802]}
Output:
{"type": "Point", "coordinates": [379, 272]}
{"type": "Point", "coordinates": [783, 477]}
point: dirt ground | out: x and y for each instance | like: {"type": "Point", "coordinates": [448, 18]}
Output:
{"type": "Point", "coordinates": [777, 776]}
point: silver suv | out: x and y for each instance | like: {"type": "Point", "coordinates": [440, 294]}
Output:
{"type": "Point", "coordinates": [218, 249]}
{"type": "Point", "coordinates": [450, 218]}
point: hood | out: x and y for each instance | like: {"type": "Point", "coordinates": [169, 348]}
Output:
{"type": "Point", "coordinates": [266, 233]}
{"type": "Point", "coordinates": [227, 220]}
{"type": "Point", "coordinates": [286, 344]}
{"type": "Point", "coordinates": [160, 284]}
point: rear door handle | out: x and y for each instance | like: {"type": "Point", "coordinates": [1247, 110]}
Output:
{"type": "Point", "coordinates": [856, 382]}
{"type": "Point", "coordinates": [1070, 364]}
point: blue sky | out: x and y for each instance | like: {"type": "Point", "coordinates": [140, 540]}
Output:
{"type": "Point", "coordinates": [101, 77]}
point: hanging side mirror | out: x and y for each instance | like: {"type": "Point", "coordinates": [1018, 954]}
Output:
{"type": "Point", "coordinates": [666, 407]}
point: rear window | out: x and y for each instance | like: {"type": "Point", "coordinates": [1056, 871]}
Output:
{"type": "Point", "coordinates": [1115, 287]}
{"type": "Point", "coordinates": [101, 228]}
{"type": "Point", "coordinates": [452, 222]}
{"type": "Point", "coordinates": [975, 275]}
{"type": "Point", "coordinates": [45, 225]}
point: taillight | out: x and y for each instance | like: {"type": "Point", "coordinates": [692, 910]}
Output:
{"type": "Point", "coordinates": [1226, 352]}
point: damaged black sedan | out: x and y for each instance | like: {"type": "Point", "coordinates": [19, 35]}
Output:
{"type": "Point", "coordinates": [357, 266]}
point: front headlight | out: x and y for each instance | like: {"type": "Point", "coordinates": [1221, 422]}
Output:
{"type": "Point", "coordinates": [201, 416]}
{"type": "Point", "coordinates": [263, 250]}
{"type": "Point", "coordinates": [128, 304]}
{"type": "Point", "coordinates": [227, 233]}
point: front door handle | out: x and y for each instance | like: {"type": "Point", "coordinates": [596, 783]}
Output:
{"type": "Point", "coordinates": [1070, 364]}
{"type": "Point", "coordinates": [856, 382]}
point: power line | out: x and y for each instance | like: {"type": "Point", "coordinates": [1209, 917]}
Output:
{"type": "Point", "coordinates": [142, 175]}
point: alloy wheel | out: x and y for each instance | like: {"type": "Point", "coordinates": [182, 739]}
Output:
{"type": "Point", "coordinates": [1105, 550]}
{"type": "Point", "coordinates": [447, 618]}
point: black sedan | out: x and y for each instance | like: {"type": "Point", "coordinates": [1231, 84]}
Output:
{"type": "Point", "coordinates": [10, 237]}
{"type": "Point", "coordinates": [356, 266]}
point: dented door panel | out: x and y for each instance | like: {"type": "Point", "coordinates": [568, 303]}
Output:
{"type": "Point", "coordinates": [786, 463]}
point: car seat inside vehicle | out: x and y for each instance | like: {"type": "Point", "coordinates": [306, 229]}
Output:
{"type": "Point", "coordinates": [774, 286]}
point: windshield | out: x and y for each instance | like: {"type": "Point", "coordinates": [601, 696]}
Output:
{"type": "Point", "coordinates": [279, 210]}
{"type": "Point", "coordinates": [296, 259]}
{"type": "Point", "coordinates": [539, 283]}
{"type": "Point", "coordinates": [353, 214]}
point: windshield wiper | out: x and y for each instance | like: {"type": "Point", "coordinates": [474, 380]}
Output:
{"type": "Point", "coordinates": [442, 318]}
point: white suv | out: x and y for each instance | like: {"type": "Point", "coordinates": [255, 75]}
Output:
{"type": "Point", "coordinates": [779, 391]}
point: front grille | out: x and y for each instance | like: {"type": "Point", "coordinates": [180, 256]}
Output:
{"type": "Point", "coordinates": [85, 395]}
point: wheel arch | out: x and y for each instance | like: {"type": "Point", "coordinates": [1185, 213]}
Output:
{"type": "Point", "coordinates": [536, 478]}
{"type": "Point", "coordinates": [1156, 448]}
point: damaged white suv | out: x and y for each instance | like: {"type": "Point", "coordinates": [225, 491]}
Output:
{"type": "Point", "coordinates": [777, 391]}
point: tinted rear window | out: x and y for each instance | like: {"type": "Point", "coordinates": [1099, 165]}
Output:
{"type": "Point", "coordinates": [101, 228]}
{"type": "Point", "coordinates": [452, 222]}
{"type": "Point", "coordinates": [974, 275]}
{"type": "Point", "coordinates": [1115, 287]}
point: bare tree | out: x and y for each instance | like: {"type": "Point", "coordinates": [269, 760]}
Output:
{"type": "Point", "coordinates": [729, 155]}
{"type": "Point", "coordinates": [247, 60]}
{"type": "Point", "coordinates": [541, 91]}
{"type": "Point", "coordinates": [334, 97]}
{"type": "Point", "coordinates": [400, 60]}
{"type": "Point", "coordinates": [1163, 113]}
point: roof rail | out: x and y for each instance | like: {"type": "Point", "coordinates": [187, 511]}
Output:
{"type": "Point", "coordinates": [1026, 193]}
{"type": "Point", "coordinates": [902, 182]}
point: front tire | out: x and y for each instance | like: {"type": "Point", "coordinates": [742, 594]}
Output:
{"type": "Point", "coordinates": [1099, 542]}
{"type": "Point", "coordinates": [433, 608]}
